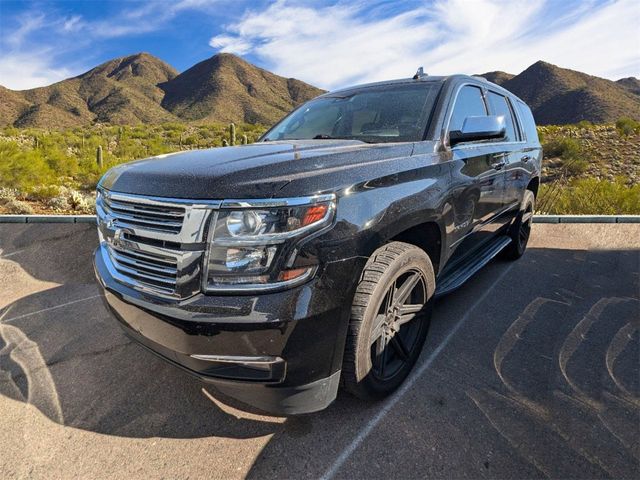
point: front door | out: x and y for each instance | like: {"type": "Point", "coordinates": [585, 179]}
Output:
{"type": "Point", "coordinates": [478, 180]}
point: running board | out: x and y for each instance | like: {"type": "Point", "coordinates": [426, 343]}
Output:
{"type": "Point", "coordinates": [470, 266]}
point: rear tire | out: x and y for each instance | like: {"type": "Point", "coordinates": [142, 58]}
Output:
{"type": "Point", "coordinates": [390, 318]}
{"type": "Point", "coordinates": [521, 228]}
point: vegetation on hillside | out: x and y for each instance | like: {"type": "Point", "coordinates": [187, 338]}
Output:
{"type": "Point", "coordinates": [587, 168]}
{"type": "Point", "coordinates": [57, 171]}
{"type": "Point", "coordinates": [591, 169]}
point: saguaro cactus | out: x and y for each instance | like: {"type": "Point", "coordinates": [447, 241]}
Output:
{"type": "Point", "coordinates": [99, 159]}
{"type": "Point", "coordinates": [245, 140]}
{"type": "Point", "coordinates": [232, 133]}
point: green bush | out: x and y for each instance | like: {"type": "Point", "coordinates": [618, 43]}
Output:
{"type": "Point", "coordinates": [23, 169]}
{"type": "Point", "coordinates": [589, 196]}
{"type": "Point", "coordinates": [627, 126]}
{"type": "Point", "coordinates": [565, 148]}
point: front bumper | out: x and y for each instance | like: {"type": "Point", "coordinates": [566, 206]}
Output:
{"type": "Point", "coordinates": [280, 352]}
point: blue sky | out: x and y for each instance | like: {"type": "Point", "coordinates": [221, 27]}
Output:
{"type": "Point", "coordinates": [326, 43]}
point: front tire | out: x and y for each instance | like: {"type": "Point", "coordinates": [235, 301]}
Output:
{"type": "Point", "coordinates": [390, 318]}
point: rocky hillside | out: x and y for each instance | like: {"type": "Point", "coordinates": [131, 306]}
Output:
{"type": "Point", "coordinates": [596, 151]}
{"type": "Point", "coordinates": [497, 77]}
{"type": "Point", "coordinates": [560, 96]}
{"type": "Point", "coordinates": [124, 91]}
{"type": "Point", "coordinates": [143, 89]}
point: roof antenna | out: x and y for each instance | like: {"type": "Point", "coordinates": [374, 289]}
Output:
{"type": "Point", "coordinates": [419, 74]}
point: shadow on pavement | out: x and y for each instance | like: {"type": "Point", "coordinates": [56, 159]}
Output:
{"type": "Point", "coordinates": [542, 379]}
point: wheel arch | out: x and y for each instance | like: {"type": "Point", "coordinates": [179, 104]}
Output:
{"type": "Point", "coordinates": [534, 186]}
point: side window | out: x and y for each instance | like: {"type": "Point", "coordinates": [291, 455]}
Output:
{"type": "Point", "coordinates": [528, 122]}
{"type": "Point", "coordinates": [500, 107]}
{"type": "Point", "coordinates": [469, 103]}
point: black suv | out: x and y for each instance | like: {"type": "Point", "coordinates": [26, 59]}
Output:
{"type": "Point", "coordinates": [310, 260]}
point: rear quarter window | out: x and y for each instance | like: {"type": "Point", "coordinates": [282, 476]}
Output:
{"type": "Point", "coordinates": [528, 123]}
{"type": "Point", "coordinates": [500, 107]}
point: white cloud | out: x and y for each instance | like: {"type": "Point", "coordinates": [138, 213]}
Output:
{"type": "Point", "coordinates": [24, 71]}
{"type": "Point", "coordinates": [28, 23]}
{"type": "Point", "coordinates": [336, 45]}
{"type": "Point", "coordinates": [229, 44]}
{"type": "Point", "coordinates": [27, 63]}
{"type": "Point", "coordinates": [72, 24]}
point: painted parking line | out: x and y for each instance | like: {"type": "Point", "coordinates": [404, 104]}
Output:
{"type": "Point", "coordinates": [49, 309]}
{"type": "Point", "coordinates": [390, 403]}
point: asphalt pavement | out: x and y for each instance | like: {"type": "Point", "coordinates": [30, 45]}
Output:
{"type": "Point", "coordinates": [532, 369]}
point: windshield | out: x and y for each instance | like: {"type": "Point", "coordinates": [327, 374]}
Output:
{"type": "Point", "coordinates": [397, 113]}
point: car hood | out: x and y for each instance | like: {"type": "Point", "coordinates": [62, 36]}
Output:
{"type": "Point", "coordinates": [259, 170]}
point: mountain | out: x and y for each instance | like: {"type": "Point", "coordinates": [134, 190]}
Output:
{"type": "Point", "coordinates": [123, 90]}
{"type": "Point", "coordinates": [559, 95]}
{"type": "Point", "coordinates": [227, 88]}
{"type": "Point", "coordinates": [224, 88]}
{"type": "Point", "coordinates": [143, 89]}
{"type": "Point", "coordinates": [497, 77]}
{"type": "Point", "coordinates": [630, 83]}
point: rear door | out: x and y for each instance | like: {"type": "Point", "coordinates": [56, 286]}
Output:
{"type": "Point", "coordinates": [515, 178]}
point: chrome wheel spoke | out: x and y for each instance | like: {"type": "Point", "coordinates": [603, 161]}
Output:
{"type": "Point", "coordinates": [378, 328]}
{"type": "Point", "coordinates": [411, 308]}
{"type": "Point", "coordinates": [381, 355]}
{"type": "Point", "coordinates": [407, 287]}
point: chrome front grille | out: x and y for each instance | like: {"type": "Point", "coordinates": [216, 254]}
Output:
{"type": "Point", "coordinates": [154, 244]}
{"type": "Point", "coordinates": [156, 217]}
{"type": "Point", "coordinates": [155, 271]}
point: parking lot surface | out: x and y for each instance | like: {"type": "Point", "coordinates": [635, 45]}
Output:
{"type": "Point", "coordinates": [530, 370]}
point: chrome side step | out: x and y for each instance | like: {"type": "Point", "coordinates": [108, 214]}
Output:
{"type": "Point", "coordinates": [470, 266]}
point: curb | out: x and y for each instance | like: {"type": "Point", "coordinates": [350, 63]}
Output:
{"type": "Point", "coordinates": [586, 219]}
{"type": "Point", "coordinates": [48, 219]}
{"type": "Point", "coordinates": [536, 219]}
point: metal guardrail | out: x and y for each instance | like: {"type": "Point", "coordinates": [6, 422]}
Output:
{"type": "Point", "coordinates": [536, 219]}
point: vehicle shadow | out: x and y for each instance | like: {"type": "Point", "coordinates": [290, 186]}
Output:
{"type": "Point", "coordinates": [61, 352]}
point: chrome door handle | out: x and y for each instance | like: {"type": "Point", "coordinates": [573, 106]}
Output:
{"type": "Point", "coordinates": [499, 165]}
{"type": "Point", "coordinates": [501, 160]}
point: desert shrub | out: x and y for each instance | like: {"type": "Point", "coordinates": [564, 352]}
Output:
{"type": "Point", "coordinates": [627, 126]}
{"type": "Point", "coordinates": [566, 148]}
{"type": "Point", "coordinates": [23, 169]}
{"type": "Point", "coordinates": [18, 207]}
{"type": "Point", "coordinates": [591, 196]}
{"type": "Point", "coordinates": [59, 204]}
{"type": "Point", "coordinates": [576, 166]}
{"type": "Point", "coordinates": [584, 124]}
{"type": "Point", "coordinates": [7, 194]}
{"type": "Point", "coordinates": [43, 192]}
{"type": "Point", "coordinates": [574, 158]}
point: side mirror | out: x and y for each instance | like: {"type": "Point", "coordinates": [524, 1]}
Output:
{"type": "Point", "coordinates": [487, 127]}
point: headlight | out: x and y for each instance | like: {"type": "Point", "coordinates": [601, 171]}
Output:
{"type": "Point", "coordinates": [250, 242]}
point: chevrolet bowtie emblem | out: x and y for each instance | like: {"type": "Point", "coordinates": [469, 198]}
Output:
{"type": "Point", "coordinates": [118, 237]}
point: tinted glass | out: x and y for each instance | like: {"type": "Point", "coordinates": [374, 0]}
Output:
{"type": "Point", "coordinates": [528, 123]}
{"type": "Point", "coordinates": [469, 103]}
{"type": "Point", "coordinates": [390, 114]}
{"type": "Point", "coordinates": [500, 107]}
